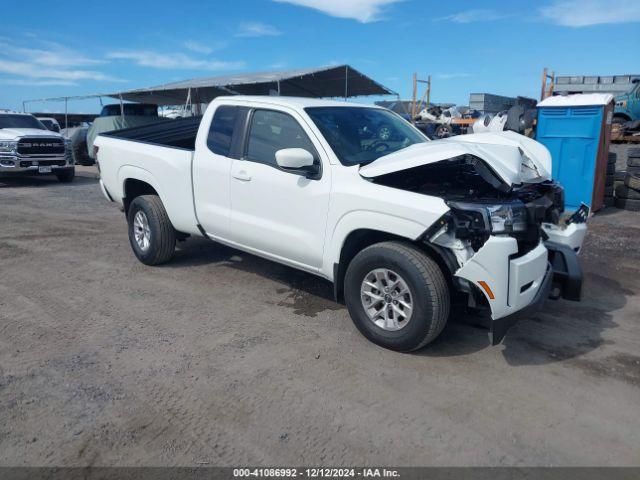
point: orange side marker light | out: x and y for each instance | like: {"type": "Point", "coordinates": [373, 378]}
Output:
{"type": "Point", "coordinates": [486, 288]}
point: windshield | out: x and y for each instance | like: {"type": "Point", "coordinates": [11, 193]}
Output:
{"type": "Point", "coordinates": [20, 121]}
{"type": "Point", "coordinates": [361, 135]}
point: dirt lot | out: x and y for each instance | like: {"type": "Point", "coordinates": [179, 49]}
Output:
{"type": "Point", "coordinates": [223, 358]}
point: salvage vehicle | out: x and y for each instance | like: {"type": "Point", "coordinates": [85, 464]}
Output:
{"type": "Point", "coordinates": [627, 107]}
{"type": "Point", "coordinates": [27, 147]}
{"type": "Point", "coordinates": [402, 227]}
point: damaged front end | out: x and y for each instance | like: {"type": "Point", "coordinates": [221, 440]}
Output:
{"type": "Point", "coordinates": [494, 238]}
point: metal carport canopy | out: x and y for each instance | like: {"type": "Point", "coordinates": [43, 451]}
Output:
{"type": "Point", "coordinates": [334, 81]}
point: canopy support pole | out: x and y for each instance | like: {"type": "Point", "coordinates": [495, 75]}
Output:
{"type": "Point", "coordinates": [121, 108]}
{"type": "Point", "coordinates": [66, 113]}
{"type": "Point", "coordinates": [346, 82]}
{"type": "Point", "coordinates": [278, 87]}
{"type": "Point", "coordinates": [188, 102]}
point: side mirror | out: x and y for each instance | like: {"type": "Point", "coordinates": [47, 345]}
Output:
{"type": "Point", "coordinates": [299, 160]}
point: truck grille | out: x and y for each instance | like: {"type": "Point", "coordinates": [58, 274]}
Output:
{"type": "Point", "coordinates": [41, 146]}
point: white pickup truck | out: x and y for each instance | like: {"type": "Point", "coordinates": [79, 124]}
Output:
{"type": "Point", "coordinates": [403, 227]}
{"type": "Point", "coordinates": [28, 148]}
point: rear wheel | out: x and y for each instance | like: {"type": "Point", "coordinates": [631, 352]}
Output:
{"type": "Point", "coordinates": [66, 176]}
{"type": "Point", "coordinates": [397, 296]}
{"type": "Point", "coordinates": [152, 237]}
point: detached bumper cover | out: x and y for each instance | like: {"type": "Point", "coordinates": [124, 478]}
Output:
{"type": "Point", "coordinates": [516, 286]}
{"type": "Point", "coordinates": [508, 282]}
{"type": "Point", "coordinates": [500, 327]}
{"type": "Point", "coordinates": [563, 279]}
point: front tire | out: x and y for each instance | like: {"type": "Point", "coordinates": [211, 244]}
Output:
{"type": "Point", "coordinates": [400, 278]}
{"type": "Point", "coordinates": [66, 176]}
{"type": "Point", "coordinates": [151, 234]}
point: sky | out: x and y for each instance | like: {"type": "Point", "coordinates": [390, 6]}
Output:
{"type": "Point", "coordinates": [501, 47]}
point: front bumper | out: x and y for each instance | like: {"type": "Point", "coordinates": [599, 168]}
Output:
{"type": "Point", "coordinates": [30, 165]}
{"type": "Point", "coordinates": [515, 286]}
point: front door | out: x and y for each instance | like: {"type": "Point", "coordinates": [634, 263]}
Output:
{"type": "Point", "coordinates": [275, 212]}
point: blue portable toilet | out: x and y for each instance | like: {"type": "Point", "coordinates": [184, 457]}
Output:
{"type": "Point", "coordinates": [576, 129]}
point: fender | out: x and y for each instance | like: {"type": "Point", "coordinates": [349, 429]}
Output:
{"type": "Point", "coordinates": [127, 172]}
{"type": "Point", "coordinates": [365, 219]}
{"type": "Point", "coordinates": [182, 216]}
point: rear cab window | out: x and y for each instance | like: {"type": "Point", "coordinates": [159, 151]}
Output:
{"type": "Point", "coordinates": [225, 130]}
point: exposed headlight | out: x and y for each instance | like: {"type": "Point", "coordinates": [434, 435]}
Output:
{"type": "Point", "coordinates": [507, 218]}
{"type": "Point", "coordinates": [8, 147]}
{"type": "Point", "coordinates": [497, 218]}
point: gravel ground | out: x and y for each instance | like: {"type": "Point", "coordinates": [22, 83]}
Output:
{"type": "Point", "coordinates": [222, 358]}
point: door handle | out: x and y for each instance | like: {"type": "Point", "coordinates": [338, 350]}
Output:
{"type": "Point", "coordinates": [242, 175]}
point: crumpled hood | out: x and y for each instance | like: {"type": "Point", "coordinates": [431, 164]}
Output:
{"type": "Point", "coordinates": [516, 159]}
{"type": "Point", "coordinates": [15, 133]}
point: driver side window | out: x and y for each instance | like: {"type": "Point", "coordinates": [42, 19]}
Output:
{"type": "Point", "coordinates": [271, 131]}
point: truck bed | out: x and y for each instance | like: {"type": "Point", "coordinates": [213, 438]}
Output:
{"type": "Point", "coordinates": [180, 133]}
{"type": "Point", "coordinates": [158, 154]}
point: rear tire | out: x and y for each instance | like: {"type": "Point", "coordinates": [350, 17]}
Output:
{"type": "Point", "coordinates": [625, 192]}
{"type": "Point", "coordinates": [427, 288]}
{"type": "Point", "coordinates": [633, 161]}
{"type": "Point", "coordinates": [66, 176]}
{"type": "Point", "coordinates": [152, 237]}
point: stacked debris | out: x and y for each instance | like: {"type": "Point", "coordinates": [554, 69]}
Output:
{"type": "Point", "coordinates": [625, 131]}
{"type": "Point", "coordinates": [627, 182]}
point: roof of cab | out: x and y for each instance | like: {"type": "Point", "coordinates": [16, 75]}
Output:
{"type": "Point", "coordinates": [294, 102]}
{"type": "Point", "coordinates": [5, 111]}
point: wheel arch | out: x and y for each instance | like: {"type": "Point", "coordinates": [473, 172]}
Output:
{"type": "Point", "coordinates": [359, 239]}
{"type": "Point", "coordinates": [622, 115]}
{"type": "Point", "coordinates": [136, 181]}
{"type": "Point", "coordinates": [133, 188]}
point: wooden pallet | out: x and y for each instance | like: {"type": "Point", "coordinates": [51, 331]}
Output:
{"type": "Point", "coordinates": [620, 138]}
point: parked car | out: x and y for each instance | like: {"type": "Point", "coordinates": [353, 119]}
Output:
{"type": "Point", "coordinates": [112, 118]}
{"type": "Point", "coordinates": [51, 123]}
{"type": "Point", "coordinates": [402, 227]}
{"type": "Point", "coordinates": [28, 148]}
{"type": "Point", "coordinates": [627, 107]}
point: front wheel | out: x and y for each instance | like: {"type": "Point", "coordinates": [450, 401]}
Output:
{"type": "Point", "coordinates": [397, 296]}
{"type": "Point", "coordinates": [66, 176]}
{"type": "Point", "coordinates": [152, 237]}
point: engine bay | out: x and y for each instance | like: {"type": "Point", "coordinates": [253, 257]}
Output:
{"type": "Point", "coordinates": [482, 204]}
